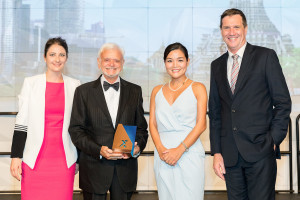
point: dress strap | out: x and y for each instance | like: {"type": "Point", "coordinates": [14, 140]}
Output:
{"type": "Point", "coordinates": [191, 84]}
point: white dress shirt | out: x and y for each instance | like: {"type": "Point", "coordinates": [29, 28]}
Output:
{"type": "Point", "coordinates": [112, 98]}
{"type": "Point", "coordinates": [240, 52]}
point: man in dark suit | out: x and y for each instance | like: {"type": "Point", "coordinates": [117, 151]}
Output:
{"type": "Point", "coordinates": [98, 107]}
{"type": "Point", "coordinates": [249, 107]}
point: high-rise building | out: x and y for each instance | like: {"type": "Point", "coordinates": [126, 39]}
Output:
{"type": "Point", "coordinates": [22, 27]}
{"type": "Point", "coordinates": [51, 13]}
{"type": "Point", "coordinates": [64, 16]}
{"type": "Point", "coordinates": [7, 25]}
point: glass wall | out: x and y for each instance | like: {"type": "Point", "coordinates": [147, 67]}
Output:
{"type": "Point", "coordinates": [143, 28]}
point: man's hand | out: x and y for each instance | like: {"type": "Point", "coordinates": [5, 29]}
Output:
{"type": "Point", "coordinates": [16, 168]}
{"type": "Point", "coordinates": [77, 168]}
{"type": "Point", "coordinates": [135, 151]}
{"type": "Point", "coordinates": [218, 166]}
{"type": "Point", "coordinates": [109, 154]}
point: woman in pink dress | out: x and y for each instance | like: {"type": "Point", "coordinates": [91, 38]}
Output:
{"type": "Point", "coordinates": [43, 155]}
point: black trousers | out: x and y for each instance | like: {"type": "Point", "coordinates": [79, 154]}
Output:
{"type": "Point", "coordinates": [252, 181]}
{"type": "Point", "coordinates": [116, 192]}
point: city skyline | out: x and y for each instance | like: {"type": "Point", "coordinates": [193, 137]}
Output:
{"type": "Point", "coordinates": [143, 30]}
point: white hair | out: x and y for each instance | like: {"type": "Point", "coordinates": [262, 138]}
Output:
{"type": "Point", "coordinates": [107, 46]}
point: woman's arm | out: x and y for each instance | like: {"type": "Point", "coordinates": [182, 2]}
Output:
{"type": "Point", "coordinates": [171, 156]}
{"type": "Point", "coordinates": [153, 126]}
{"type": "Point", "coordinates": [20, 132]}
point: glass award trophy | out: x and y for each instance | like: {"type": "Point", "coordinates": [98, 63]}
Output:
{"type": "Point", "coordinates": [124, 139]}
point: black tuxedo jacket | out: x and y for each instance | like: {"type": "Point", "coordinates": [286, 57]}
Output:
{"type": "Point", "coordinates": [256, 117]}
{"type": "Point", "coordinates": [91, 127]}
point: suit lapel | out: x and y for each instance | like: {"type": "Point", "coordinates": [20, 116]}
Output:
{"type": "Point", "coordinates": [245, 66]}
{"type": "Point", "coordinates": [124, 94]}
{"type": "Point", "coordinates": [100, 96]}
{"type": "Point", "coordinates": [223, 73]}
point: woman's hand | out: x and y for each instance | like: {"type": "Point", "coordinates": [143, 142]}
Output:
{"type": "Point", "coordinates": [171, 156]}
{"type": "Point", "coordinates": [160, 152]}
{"type": "Point", "coordinates": [16, 168]}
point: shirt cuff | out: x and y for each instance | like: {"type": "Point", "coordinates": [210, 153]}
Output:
{"type": "Point", "coordinates": [136, 155]}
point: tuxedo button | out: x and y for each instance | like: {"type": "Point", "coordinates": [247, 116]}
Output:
{"type": "Point", "coordinates": [233, 110]}
{"type": "Point", "coordinates": [234, 128]}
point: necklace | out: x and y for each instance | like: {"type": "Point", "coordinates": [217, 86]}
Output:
{"type": "Point", "coordinates": [178, 87]}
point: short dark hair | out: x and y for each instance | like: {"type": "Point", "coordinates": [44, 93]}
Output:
{"type": "Point", "coordinates": [175, 46]}
{"type": "Point", "coordinates": [233, 11]}
{"type": "Point", "coordinates": [56, 40]}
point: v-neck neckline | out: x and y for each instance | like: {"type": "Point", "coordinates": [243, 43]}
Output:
{"type": "Point", "coordinates": [176, 97]}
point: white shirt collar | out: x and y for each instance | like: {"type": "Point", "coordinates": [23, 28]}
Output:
{"type": "Point", "coordinates": [240, 52]}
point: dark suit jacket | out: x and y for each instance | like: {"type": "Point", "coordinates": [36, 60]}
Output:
{"type": "Point", "coordinates": [256, 117]}
{"type": "Point", "coordinates": [91, 127]}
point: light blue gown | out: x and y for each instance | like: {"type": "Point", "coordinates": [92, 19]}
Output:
{"type": "Point", "coordinates": [185, 180]}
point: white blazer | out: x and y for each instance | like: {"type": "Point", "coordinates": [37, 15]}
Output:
{"type": "Point", "coordinates": [31, 115]}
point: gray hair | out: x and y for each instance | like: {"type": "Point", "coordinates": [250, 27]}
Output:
{"type": "Point", "coordinates": [107, 46]}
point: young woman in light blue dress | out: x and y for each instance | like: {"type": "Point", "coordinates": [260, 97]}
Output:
{"type": "Point", "coordinates": [177, 118]}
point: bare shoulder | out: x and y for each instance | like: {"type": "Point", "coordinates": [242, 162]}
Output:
{"type": "Point", "coordinates": [199, 90]}
{"type": "Point", "coordinates": [198, 86]}
{"type": "Point", "coordinates": [156, 89]}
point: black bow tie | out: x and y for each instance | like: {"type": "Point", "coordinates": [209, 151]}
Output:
{"type": "Point", "coordinates": [107, 85]}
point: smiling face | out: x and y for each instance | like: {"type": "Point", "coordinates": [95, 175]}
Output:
{"type": "Point", "coordinates": [111, 63]}
{"type": "Point", "coordinates": [233, 32]}
{"type": "Point", "coordinates": [55, 58]}
{"type": "Point", "coordinates": [176, 63]}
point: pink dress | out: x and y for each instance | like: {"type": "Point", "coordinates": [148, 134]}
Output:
{"type": "Point", "coordinates": [50, 179]}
